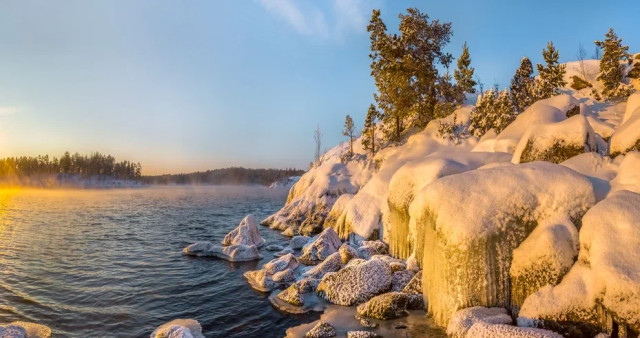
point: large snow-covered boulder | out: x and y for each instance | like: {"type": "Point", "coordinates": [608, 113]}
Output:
{"type": "Point", "coordinates": [330, 264]}
{"type": "Point", "coordinates": [321, 246]}
{"type": "Point", "coordinates": [556, 142]}
{"type": "Point", "coordinates": [336, 212]}
{"type": "Point", "coordinates": [599, 169]}
{"type": "Point", "coordinates": [246, 233]}
{"type": "Point", "coordinates": [357, 283]}
{"type": "Point", "coordinates": [21, 329]}
{"type": "Point", "coordinates": [603, 286]}
{"type": "Point", "coordinates": [232, 253]}
{"type": "Point", "coordinates": [542, 112]}
{"type": "Point", "coordinates": [628, 176]}
{"type": "Point", "coordinates": [179, 328]}
{"type": "Point", "coordinates": [486, 330]}
{"type": "Point", "coordinates": [297, 242]}
{"type": "Point", "coordinates": [627, 136]}
{"type": "Point", "coordinates": [468, 225]}
{"type": "Point", "coordinates": [413, 177]}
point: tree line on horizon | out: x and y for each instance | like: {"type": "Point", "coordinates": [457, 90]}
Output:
{"type": "Point", "coordinates": [414, 85]}
{"type": "Point", "coordinates": [226, 176]}
{"type": "Point", "coordinates": [83, 166]}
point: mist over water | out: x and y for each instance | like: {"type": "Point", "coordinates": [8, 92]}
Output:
{"type": "Point", "coordinates": [108, 263]}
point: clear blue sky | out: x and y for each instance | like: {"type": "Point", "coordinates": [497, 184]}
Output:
{"type": "Point", "coordinates": [193, 85]}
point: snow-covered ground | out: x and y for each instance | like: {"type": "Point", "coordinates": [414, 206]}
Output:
{"type": "Point", "coordinates": [541, 219]}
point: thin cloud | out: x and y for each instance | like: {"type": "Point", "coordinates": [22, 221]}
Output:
{"type": "Point", "coordinates": [341, 18]}
{"type": "Point", "coordinates": [8, 111]}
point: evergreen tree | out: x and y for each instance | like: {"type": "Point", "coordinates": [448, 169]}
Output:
{"type": "Point", "coordinates": [484, 113]}
{"type": "Point", "coordinates": [610, 68]}
{"type": "Point", "coordinates": [369, 130]}
{"type": "Point", "coordinates": [523, 86]}
{"type": "Point", "coordinates": [505, 111]}
{"type": "Point", "coordinates": [464, 73]}
{"type": "Point", "coordinates": [449, 96]}
{"type": "Point", "coordinates": [349, 131]}
{"type": "Point", "coordinates": [551, 75]}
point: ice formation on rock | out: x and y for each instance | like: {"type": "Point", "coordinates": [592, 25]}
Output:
{"type": "Point", "coordinates": [330, 264]}
{"type": "Point", "coordinates": [468, 225]}
{"type": "Point", "coordinates": [297, 242]}
{"type": "Point", "coordinates": [263, 279]}
{"type": "Point", "coordinates": [21, 329]}
{"type": "Point", "coordinates": [356, 284]}
{"type": "Point", "coordinates": [232, 253]}
{"type": "Point", "coordinates": [603, 287]}
{"type": "Point", "coordinates": [274, 247]}
{"type": "Point", "coordinates": [246, 233]}
{"type": "Point", "coordinates": [179, 328]}
{"type": "Point", "coordinates": [461, 321]}
{"type": "Point", "coordinates": [347, 252]}
{"type": "Point", "coordinates": [400, 279]}
{"type": "Point", "coordinates": [627, 136]}
{"type": "Point", "coordinates": [321, 330]}
{"type": "Point", "coordinates": [486, 330]}
{"type": "Point", "coordinates": [321, 246]}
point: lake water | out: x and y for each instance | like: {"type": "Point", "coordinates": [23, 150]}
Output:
{"type": "Point", "coordinates": [108, 263]}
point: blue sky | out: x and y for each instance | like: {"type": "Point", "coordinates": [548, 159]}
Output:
{"type": "Point", "coordinates": [193, 85]}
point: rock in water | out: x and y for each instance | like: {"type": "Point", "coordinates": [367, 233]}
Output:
{"type": "Point", "coordinates": [461, 321]}
{"type": "Point", "coordinates": [179, 328]}
{"type": "Point", "coordinates": [307, 285]}
{"type": "Point", "coordinates": [233, 253]}
{"type": "Point", "coordinates": [297, 242]}
{"type": "Point", "coordinates": [321, 246]}
{"type": "Point", "coordinates": [284, 251]}
{"type": "Point", "coordinates": [292, 295]}
{"type": "Point", "coordinates": [347, 252]}
{"type": "Point", "coordinates": [467, 251]}
{"type": "Point", "coordinates": [366, 322]}
{"type": "Point", "coordinates": [415, 284]}
{"type": "Point", "coordinates": [356, 284]}
{"type": "Point", "coordinates": [246, 233]}
{"type": "Point", "coordinates": [20, 329]}
{"type": "Point", "coordinates": [331, 264]}
{"type": "Point", "coordinates": [415, 302]}
{"type": "Point", "coordinates": [385, 306]}
{"type": "Point", "coordinates": [13, 331]}
{"type": "Point", "coordinates": [274, 247]}
{"type": "Point", "coordinates": [273, 273]}
{"type": "Point", "coordinates": [321, 330]}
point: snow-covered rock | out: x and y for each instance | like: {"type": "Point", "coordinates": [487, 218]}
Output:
{"type": "Point", "coordinates": [556, 142]}
{"type": "Point", "coordinates": [413, 177]}
{"type": "Point", "coordinates": [321, 330]}
{"type": "Point", "coordinates": [273, 273]}
{"type": "Point", "coordinates": [470, 223]}
{"type": "Point", "coordinates": [347, 252]}
{"type": "Point", "coordinates": [297, 242]}
{"type": "Point", "coordinates": [385, 306]}
{"type": "Point", "coordinates": [486, 330]}
{"type": "Point", "coordinates": [361, 334]}
{"type": "Point", "coordinates": [599, 169]}
{"type": "Point", "coordinates": [357, 283]}
{"type": "Point", "coordinates": [292, 295]}
{"type": "Point", "coordinates": [284, 251]}
{"type": "Point", "coordinates": [627, 136]}
{"type": "Point", "coordinates": [232, 253]}
{"type": "Point", "coordinates": [274, 247]}
{"type": "Point", "coordinates": [246, 233]}
{"type": "Point", "coordinates": [401, 279]}
{"type": "Point", "coordinates": [415, 284]}
{"type": "Point", "coordinates": [336, 212]}
{"type": "Point", "coordinates": [604, 284]}
{"type": "Point", "coordinates": [330, 264]}
{"type": "Point", "coordinates": [628, 177]}
{"type": "Point", "coordinates": [321, 246]}
{"type": "Point", "coordinates": [463, 320]}
{"type": "Point", "coordinates": [21, 329]}
{"type": "Point", "coordinates": [179, 328]}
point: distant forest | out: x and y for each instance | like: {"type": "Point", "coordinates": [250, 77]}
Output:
{"type": "Point", "coordinates": [226, 176]}
{"type": "Point", "coordinates": [83, 166]}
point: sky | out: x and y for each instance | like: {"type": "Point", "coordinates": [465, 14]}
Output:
{"type": "Point", "coordinates": [181, 86]}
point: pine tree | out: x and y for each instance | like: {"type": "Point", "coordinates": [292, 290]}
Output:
{"type": "Point", "coordinates": [464, 73]}
{"type": "Point", "coordinates": [349, 131]}
{"type": "Point", "coordinates": [610, 68]}
{"type": "Point", "coordinates": [523, 86]}
{"type": "Point", "coordinates": [484, 114]}
{"type": "Point", "coordinates": [369, 130]}
{"type": "Point", "coordinates": [449, 96]}
{"type": "Point", "coordinates": [505, 111]}
{"type": "Point", "coordinates": [551, 76]}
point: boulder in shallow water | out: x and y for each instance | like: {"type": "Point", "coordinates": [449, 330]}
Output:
{"type": "Point", "coordinates": [289, 232]}
{"type": "Point", "coordinates": [486, 330]}
{"type": "Point", "coordinates": [321, 330]}
{"type": "Point", "coordinates": [232, 253]}
{"type": "Point", "coordinates": [415, 284]}
{"type": "Point", "coordinates": [292, 295]}
{"type": "Point", "coordinates": [415, 302]}
{"type": "Point", "coordinates": [297, 242]}
{"type": "Point", "coordinates": [385, 306]}
{"type": "Point", "coordinates": [461, 321]}
{"type": "Point", "coordinates": [284, 251]}
{"type": "Point", "coordinates": [274, 247]}
{"type": "Point", "coordinates": [368, 249]}
{"type": "Point", "coordinates": [321, 246]}
{"type": "Point", "coordinates": [246, 233]}
{"type": "Point", "coordinates": [284, 276]}
{"type": "Point", "coordinates": [356, 284]}
{"type": "Point", "coordinates": [347, 252]}
{"type": "Point", "coordinates": [19, 329]}
{"type": "Point", "coordinates": [179, 328]}
{"type": "Point", "coordinates": [307, 285]}
{"type": "Point", "coordinates": [263, 279]}
{"type": "Point", "coordinates": [361, 334]}
{"type": "Point", "coordinates": [331, 264]}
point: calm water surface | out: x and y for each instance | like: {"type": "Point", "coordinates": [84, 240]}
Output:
{"type": "Point", "coordinates": [109, 264]}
